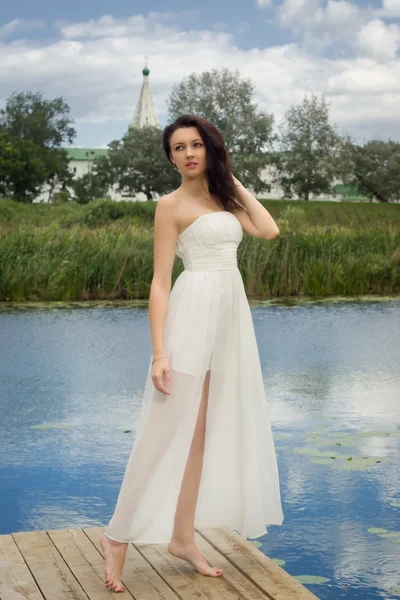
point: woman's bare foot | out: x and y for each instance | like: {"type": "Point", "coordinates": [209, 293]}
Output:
{"type": "Point", "coordinates": [114, 558]}
{"type": "Point", "coordinates": [192, 555]}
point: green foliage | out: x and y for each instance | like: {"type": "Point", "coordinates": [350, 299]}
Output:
{"type": "Point", "coordinates": [32, 131]}
{"type": "Point", "coordinates": [22, 172]}
{"type": "Point", "coordinates": [105, 250]}
{"type": "Point", "coordinates": [61, 197]}
{"type": "Point", "coordinates": [87, 188]}
{"type": "Point", "coordinates": [136, 163]}
{"type": "Point", "coordinates": [375, 169]}
{"type": "Point", "coordinates": [312, 150]}
{"type": "Point", "coordinates": [293, 215]}
{"type": "Point", "coordinates": [104, 211]}
{"type": "Point", "coordinates": [46, 122]}
{"type": "Point", "coordinates": [101, 212]}
{"type": "Point", "coordinates": [227, 101]}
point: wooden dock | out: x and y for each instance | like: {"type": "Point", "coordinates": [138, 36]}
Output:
{"type": "Point", "coordinates": [68, 565]}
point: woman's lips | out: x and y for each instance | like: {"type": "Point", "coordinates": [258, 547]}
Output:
{"type": "Point", "coordinates": [191, 165]}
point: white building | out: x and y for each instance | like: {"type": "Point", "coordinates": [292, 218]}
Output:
{"type": "Point", "coordinates": [145, 111]}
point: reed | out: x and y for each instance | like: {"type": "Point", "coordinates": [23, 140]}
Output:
{"type": "Point", "coordinates": [105, 251]}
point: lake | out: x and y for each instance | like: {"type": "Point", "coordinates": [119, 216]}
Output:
{"type": "Point", "coordinates": [71, 382]}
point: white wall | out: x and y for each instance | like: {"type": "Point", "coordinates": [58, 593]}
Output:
{"type": "Point", "coordinates": [80, 167]}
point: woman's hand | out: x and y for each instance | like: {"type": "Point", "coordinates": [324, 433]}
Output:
{"type": "Point", "coordinates": [160, 374]}
{"type": "Point", "coordinates": [236, 181]}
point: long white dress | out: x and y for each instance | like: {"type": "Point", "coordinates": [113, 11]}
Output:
{"type": "Point", "coordinates": [208, 326]}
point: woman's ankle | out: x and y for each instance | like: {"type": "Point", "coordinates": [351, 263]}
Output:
{"type": "Point", "coordinates": [115, 543]}
{"type": "Point", "coordinates": [183, 540]}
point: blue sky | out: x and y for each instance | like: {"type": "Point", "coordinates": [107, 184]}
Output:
{"type": "Point", "coordinates": [92, 54]}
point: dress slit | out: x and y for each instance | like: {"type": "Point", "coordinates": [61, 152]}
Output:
{"type": "Point", "coordinates": [203, 398]}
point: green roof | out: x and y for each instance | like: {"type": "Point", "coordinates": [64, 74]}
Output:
{"type": "Point", "coordinates": [85, 153]}
{"type": "Point", "coordinates": [342, 188]}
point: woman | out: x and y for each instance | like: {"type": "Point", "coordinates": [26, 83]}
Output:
{"type": "Point", "coordinates": [203, 454]}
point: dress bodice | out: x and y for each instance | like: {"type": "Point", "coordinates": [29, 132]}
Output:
{"type": "Point", "coordinates": [210, 243]}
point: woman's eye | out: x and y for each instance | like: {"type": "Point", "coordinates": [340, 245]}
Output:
{"type": "Point", "coordinates": [196, 144]}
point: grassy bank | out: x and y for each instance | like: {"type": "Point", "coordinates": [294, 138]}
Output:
{"type": "Point", "coordinates": [105, 251]}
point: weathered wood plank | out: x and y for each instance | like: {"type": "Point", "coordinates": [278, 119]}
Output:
{"type": "Point", "coordinates": [191, 585]}
{"type": "Point", "coordinates": [47, 566]}
{"type": "Point", "coordinates": [84, 562]}
{"type": "Point", "coordinates": [260, 569]}
{"type": "Point", "coordinates": [138, 575]}
{"type": "Point", "coordinates": [69, 565]}
{"type": "Point", "coordinates": [16, 581]}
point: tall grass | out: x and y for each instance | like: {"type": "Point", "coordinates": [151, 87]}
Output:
{"type": "Point", "coordinates": [105, 251]}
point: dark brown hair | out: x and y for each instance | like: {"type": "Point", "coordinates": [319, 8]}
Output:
{"type": "Point", "coordinates": [218, 172]}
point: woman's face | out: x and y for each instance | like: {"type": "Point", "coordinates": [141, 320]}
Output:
{"type": "Point", "coordinates": [188, 147]}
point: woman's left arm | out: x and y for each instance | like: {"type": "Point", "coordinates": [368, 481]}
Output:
{"type": "Point", "coordinates": [255, 219]}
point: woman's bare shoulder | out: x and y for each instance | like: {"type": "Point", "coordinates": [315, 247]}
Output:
{"type": "Point", "coordinates": [166, 203]}
{"type": "Point", "coordinates": [167, 212]}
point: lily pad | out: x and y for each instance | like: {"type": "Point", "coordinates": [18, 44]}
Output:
{"type": "Point", "coordinates": [279, 562]}
{"type": "Point", "coordinates": [389, 534]}
{"type": "Point", "coordinates": [336, 441]}
{"type": "Point", "coordinates": [376, 530]}
{"type": "Point", "coordinates": [255, 543]}
{"type": "Point", "coordinates": [311, 579]}
{"type": "Point", "coordinates": [388, 434]}
{"type": "Point", "coordinates": [396, 504]}
{"type": "Point", "coordinates": [52, 426]}
{"type": "Point", "coordinates": [321, 461]}
{"type": "Point", "coordinates": [394, 591]}
{"type": "Point", "coordinates": [358, 463]}
{"type": "Point", "coordinates": [316, 452]}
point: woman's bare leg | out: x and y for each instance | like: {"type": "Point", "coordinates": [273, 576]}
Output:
{"type": "Point", "coordinates": [182, 543]}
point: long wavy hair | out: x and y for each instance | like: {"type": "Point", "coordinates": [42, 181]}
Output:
{"type": "Point", "coordinates": [218, 172]}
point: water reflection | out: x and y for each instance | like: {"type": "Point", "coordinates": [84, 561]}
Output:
{"type": "Point", "coordinates": [70, 394]}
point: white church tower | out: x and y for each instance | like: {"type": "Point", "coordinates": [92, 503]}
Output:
{"type": "Point", "coordinates": [145, 112]}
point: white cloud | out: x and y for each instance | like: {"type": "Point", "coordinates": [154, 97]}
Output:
{"type": "Point", "coordinates": [364, 76]}
{"type": "Point", "coordinates": [107, 26]}
{"type": "Point", "coordinates": [378, 40]}
{"type": "Point", "coordinates": [20, 26]}
{"type": "Point", "coordinates": [319, 23]}
{"type": "Point", "coordinates": [390, 8]}
{"type": "Point", "coordinates": [264, 3]}
{"type": "Point", "coordinates": [97, 67]}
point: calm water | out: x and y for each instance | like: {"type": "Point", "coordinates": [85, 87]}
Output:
{"type": "Point", "coordinates": [70, 391]}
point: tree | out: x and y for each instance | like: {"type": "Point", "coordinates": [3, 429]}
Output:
{"type": "Point", "coordinates": [21, 170]}
{"type": "Point", "coordinates": [375, 169]}
{"type": "Point", "coordinates": [89, 187]}
{"type": "Point", "coordinates": [136, 164]}
{"type": "Point", "coordinates": [36, 128]}
{"type": "Point", "coordinates": [310, 149]}
{"type": "Point", "coordinates": [226, 100]}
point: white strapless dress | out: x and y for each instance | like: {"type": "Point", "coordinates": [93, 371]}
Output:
{"type": "Point", "coordinates": [208, 326]}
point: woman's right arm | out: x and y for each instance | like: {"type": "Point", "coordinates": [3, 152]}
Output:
{"type": "Point", "coordinates": [165, 236]}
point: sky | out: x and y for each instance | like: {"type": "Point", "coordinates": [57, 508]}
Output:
{"type": "Point", "coordinates": [92, 53]}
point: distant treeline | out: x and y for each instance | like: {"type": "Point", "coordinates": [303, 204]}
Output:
{"type": "Point", "coordinates": [306, 155]}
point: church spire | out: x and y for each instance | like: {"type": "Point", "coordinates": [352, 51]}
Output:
{"type": "Point", "coordinates": [145, 112]}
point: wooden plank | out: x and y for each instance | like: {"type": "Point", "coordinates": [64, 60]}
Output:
{"type": "Point", "coordinates": [69, 565]}
{"type": "Point", "coordinates": [16, 581]}
{"type": "Point", "coordinates": [260, 569]}
{"type": "Point", "coordinates": [189, 584]}
{"type": "Point", "coordinates": [48, 567]}
{"type": "Point", "coordinates": [138, 575]}
{"type": "Point", "coordinates": [84, 561]}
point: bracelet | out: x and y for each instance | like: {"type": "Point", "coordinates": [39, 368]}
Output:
{"type": "Point", "coordinates": [157, 358]}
